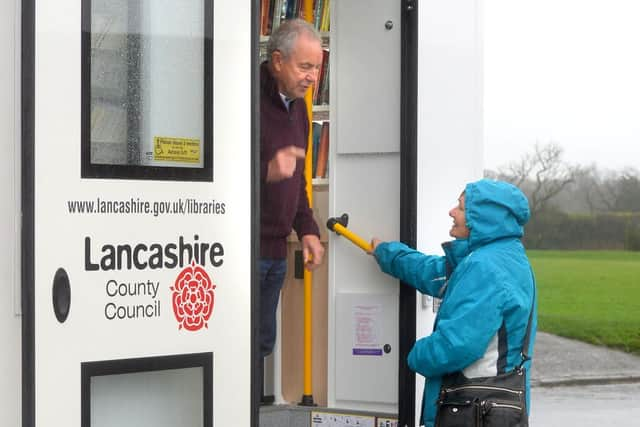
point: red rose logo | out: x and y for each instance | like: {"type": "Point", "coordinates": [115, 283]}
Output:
{"type": "Point", "coordinates": [193, 298]}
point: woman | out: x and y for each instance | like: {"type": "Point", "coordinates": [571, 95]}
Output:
{"type": "Point", "coordinates": [486, 285]}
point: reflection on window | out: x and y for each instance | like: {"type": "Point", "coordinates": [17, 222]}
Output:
{"type": "Point", "coordinates": [149, 83]}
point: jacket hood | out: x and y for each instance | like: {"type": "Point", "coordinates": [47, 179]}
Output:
{"type": "Point", "coordinates": [494, 210]}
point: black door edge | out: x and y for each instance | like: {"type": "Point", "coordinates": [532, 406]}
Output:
{"type": "Point", "coordinates": [27, 117]}
{"type": "Point", "coordinates": [256, 381]}
{"type": "Point", "coordinates": [408, 204]}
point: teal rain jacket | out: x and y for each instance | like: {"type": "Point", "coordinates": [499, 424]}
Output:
{"type": "Point", "coordinates": [487, 290]}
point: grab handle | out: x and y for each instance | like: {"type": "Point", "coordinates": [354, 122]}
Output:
{"type": "Point", "coordinates": [339, 226]}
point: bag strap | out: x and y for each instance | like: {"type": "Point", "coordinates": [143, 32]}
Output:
{"type": "Point", "coordinates": [527, 336]}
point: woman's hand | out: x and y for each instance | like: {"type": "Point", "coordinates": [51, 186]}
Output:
{"type": "Point", "coordinates": [374, 243]}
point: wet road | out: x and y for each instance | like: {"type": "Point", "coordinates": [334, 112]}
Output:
{"type": "Point", "coordinates": [586, 406]}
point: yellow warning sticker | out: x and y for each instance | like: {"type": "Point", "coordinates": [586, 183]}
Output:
{"type": "Point", "coordinates": [185, 150]}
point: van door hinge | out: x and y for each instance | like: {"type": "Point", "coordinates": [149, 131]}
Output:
{"type": "Point", "coordinates": [410, 5]}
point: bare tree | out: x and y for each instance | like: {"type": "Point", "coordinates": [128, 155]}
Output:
{"type": "Point", "coordinates": [596, 191]}
{"type": "Point", "coordinates": [550, 182]}
{"type": "Point", "coordinates": [613, 191]}
{"type": "Point", "coordinates": [541, 174]}
{"type": "Point", "coordinates": [606, 189]}
{"type": "Point", "coordinates": [587, 191]}
{"type": "Point", "coordinates": [628, 191]}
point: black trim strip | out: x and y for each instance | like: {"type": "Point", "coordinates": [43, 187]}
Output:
{"type": "Point", "coordinates": [256, 370]}
{"type": "Point", "coordinates": [148, 364]}
{"type": "Point", "coordinates": [503, 349]}
{"type": "Point", "coordinates": [28, 200]}
{"type": "Point", "coordinates": [408, 205]}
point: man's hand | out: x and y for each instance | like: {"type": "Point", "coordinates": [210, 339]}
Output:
{"type": "Point", "coordinates": [312, 251]}
{"type": "Point", "coordinates": [283, 163]}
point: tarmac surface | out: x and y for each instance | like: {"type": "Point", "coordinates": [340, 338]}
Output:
{"type": "Point", "coordinates": [562, 361]}
{"type": "Point", "coordinates": [578, 384]}
{"type": "Point", "coordinates": [573, 384]}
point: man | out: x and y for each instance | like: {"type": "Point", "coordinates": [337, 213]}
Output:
{"type": "Point", "coordinates": [294, 59]}
{"type": "Point", "coordinates": [487, 290]}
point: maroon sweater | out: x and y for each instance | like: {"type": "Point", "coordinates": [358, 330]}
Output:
{"type": "Point", "coordinates": [284, 204]}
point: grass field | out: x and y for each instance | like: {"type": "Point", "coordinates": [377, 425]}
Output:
{"type": "Point", "coordinates": [592, 296]}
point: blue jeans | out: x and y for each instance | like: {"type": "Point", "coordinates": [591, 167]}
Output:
{"type": "Point", "coordinates": [272, 273]}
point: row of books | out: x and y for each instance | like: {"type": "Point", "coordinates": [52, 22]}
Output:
{"type": "Point", "coordinates": [320, 149]}
{"type": "Point", "coordinates": [274, 11]}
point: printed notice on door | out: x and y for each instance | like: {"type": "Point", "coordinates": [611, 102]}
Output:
{"type": "Point", "coordinates": [366, 329]}
{"type": "Point", "coordinates": [183, 150]}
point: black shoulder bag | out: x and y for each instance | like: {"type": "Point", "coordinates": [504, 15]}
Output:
{"type": "Point", "coordinates": [498, 401]}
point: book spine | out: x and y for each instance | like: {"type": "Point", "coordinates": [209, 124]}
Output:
{"type": "Point", "coordinates": [323, 151]}
{"type": "Point", "coordinates": [277, 14]}
{"type": "Point", "coordinates": [317, 14]}
{"type": "Point", "coordinates": [324, 26]}
{"type": "Point", "coordinates": [315, 140]}
{"type": "Point", "coordinates": [264, 16]}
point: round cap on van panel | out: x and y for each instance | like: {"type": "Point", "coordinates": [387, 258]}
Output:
{"type": "Point", "coordinates": [61, 295]}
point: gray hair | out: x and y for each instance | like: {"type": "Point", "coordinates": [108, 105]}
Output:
{"type": "Point", "coordinates": [285, 36]}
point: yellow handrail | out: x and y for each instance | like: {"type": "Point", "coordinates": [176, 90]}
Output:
{"type": "Point", "coordinates": [307, 394]}
{"type": "Point", "coordinates": [354, 238]}
{"type": "Point", "coordinates": [339, 226]}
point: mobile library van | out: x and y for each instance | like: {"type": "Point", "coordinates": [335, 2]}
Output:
{"type": "Point", "coordinates": [130, 218]}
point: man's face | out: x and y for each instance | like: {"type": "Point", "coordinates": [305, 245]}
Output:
{"type": "Point", "coordinates": [300, 70]}
{"type": "Point", "coordinates": [459, 228]}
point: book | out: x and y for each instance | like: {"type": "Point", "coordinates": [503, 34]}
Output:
{"type": "Point", "coordinates": [323, 95]}
{"type": "Point", "coordinates": [323, 151]}
{"type": "Point", "coordinates": [324, 20]}
{"type": "Point", "coordinates": [264, 17]}
{"type": "Point", "coordinates": [316, 128]}
{"type": "Point", "coordinates": [317, 13]}
{"type": "Point", "coordinates": [324, 72]}
{"type": "Point", "coordinates": [277, 14]}
{"type": "Point", "coordinates": [291, 7]}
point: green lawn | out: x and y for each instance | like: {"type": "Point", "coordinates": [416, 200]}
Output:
{"type": "Point", "coordinates": [593, 296]}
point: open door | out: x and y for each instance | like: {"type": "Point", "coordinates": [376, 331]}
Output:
{"type": "Point", "coordinates": [138, 193]}
{"type": "Point", "coordinates": [406, 135]}
{"type": "Point", "coordinates": [366, 170]}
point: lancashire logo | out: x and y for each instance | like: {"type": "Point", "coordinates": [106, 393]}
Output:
{"type": "Point", "coordinates": [193, 298]}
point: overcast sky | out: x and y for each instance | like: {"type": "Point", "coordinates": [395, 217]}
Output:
{"type": "Point", "coordinates": [566, 71]}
